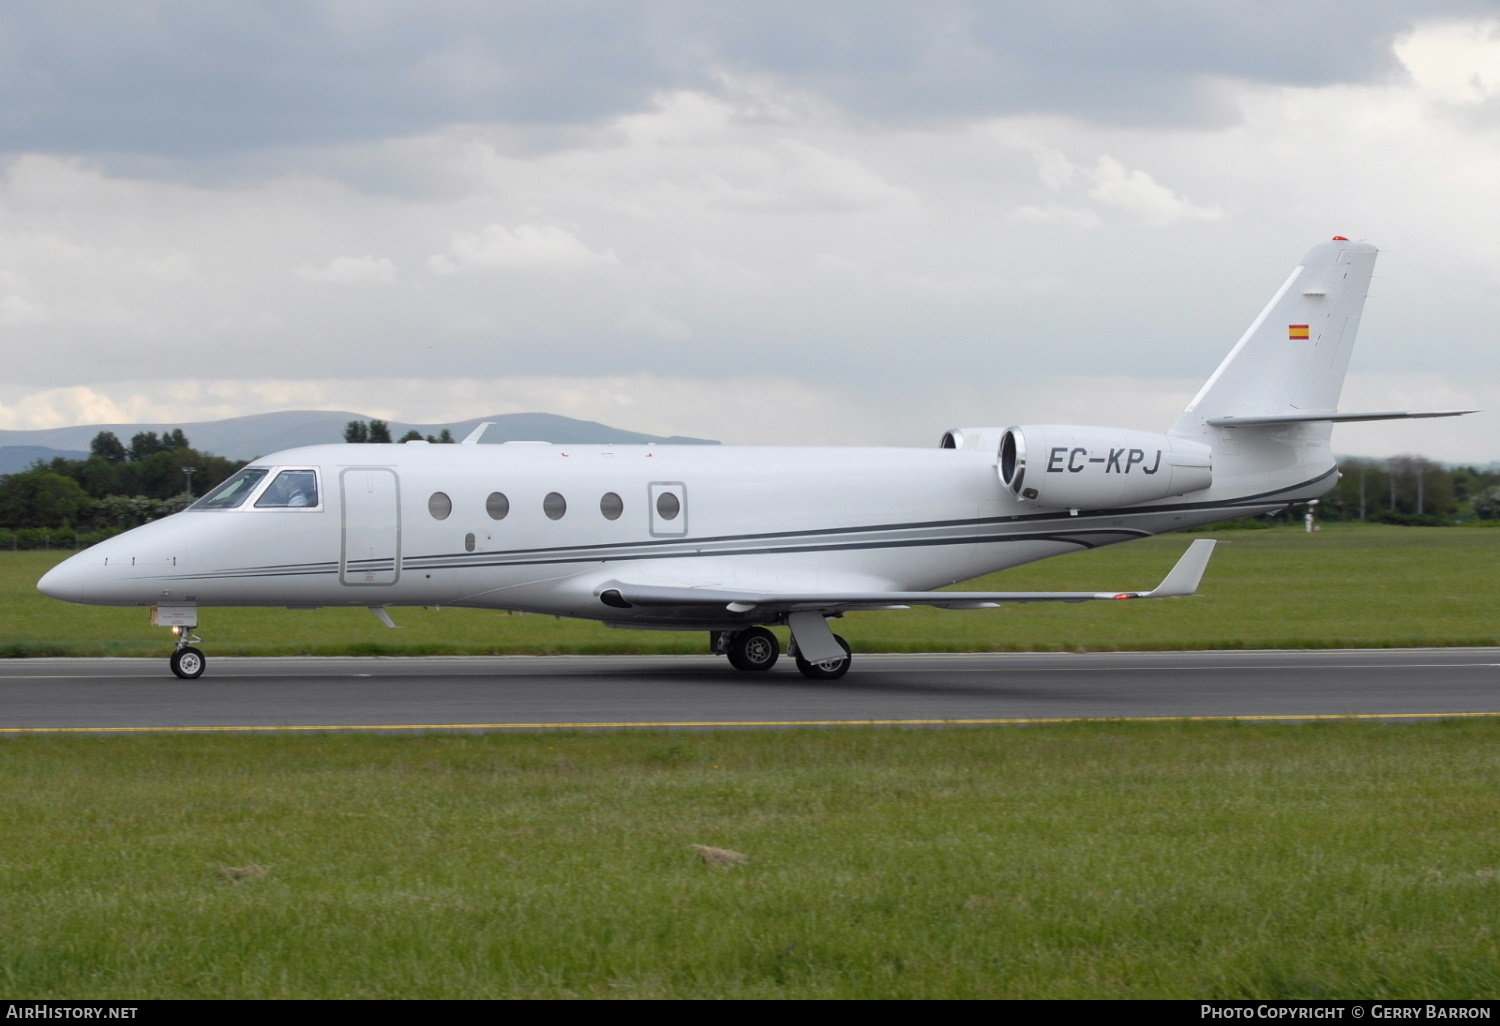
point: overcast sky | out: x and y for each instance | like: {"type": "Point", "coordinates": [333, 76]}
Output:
{"type": "Point", "coordinates": [802, 222]}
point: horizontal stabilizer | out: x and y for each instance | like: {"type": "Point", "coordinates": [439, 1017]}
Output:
{"type": "Point", "coordinates": [1328, 418]}
{"type": "Point", "coordinates": [1182, 580]}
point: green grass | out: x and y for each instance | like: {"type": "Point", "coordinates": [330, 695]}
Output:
{"type": "Point", "coordinates": [1348, 586]}
{"type": "Point", "coordinates": [1084, 860]}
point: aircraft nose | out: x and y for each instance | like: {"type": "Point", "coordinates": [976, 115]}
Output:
{"type": "Point", "coordinates": [68, 580]}
{"type": "Point", "coordinates": [134, 568]}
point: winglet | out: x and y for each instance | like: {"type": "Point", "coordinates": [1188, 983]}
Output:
{"type": "Point", "coordinates": [473, 437]}
{"type": "Point", "coordinates": [1183, 578]}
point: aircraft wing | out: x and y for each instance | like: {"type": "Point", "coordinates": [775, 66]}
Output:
{"type": "Point", "coordinates": [1182, 580]}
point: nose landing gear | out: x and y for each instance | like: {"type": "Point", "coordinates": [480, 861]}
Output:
{"type": "Point", "coordinates": [188, 662]}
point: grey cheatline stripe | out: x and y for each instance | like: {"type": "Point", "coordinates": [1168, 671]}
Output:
{"type": "Point", "coordinates": [678, 550]}
{"type": "Point", "coordinates": [956, 532]}
{"type": "Point", "coordinates": [672, 550]}
{"type": "Point", "coordinates": [990, 530]}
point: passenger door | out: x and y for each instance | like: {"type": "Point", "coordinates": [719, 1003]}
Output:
{"type": "Point", "coordinates": [371, 553]}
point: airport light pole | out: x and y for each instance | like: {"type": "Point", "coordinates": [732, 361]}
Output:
{"type": "Point", "coordinates": [190, 471]}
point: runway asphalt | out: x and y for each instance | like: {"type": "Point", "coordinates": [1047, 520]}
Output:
{"type": "Point", "coordinates": [597, 692]}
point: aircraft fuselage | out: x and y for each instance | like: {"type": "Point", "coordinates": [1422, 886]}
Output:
{"type": "Point", "coordinates": [535, 527]}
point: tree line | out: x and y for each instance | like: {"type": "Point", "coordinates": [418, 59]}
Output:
{"type": "Point", "coordinates": [119, 486]}
{"type": "Point", "coordinates": [359, 432]}
{"type": "Point", "coordinates": [115, 487]}
{"type": "Point", "coordinates": [1411, 490]}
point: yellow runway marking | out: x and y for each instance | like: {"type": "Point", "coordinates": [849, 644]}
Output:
{"type": "Point", "coordinates": [665, 724]}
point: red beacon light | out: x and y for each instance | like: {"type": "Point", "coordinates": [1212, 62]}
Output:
{"type": "Point", "coordinates": [1339, 238]}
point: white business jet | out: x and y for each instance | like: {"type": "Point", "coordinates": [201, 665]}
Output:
{"type": "Point", "coordinates": [731, 540]}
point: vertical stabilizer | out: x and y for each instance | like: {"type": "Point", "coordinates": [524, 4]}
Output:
{"type": "Point", "coordinates": [1293, 357]}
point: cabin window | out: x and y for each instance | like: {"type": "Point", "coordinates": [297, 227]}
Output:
{"type": "Point", "coordinates": [554, 505]}
{"type": "Point", "coordinates": [291, 489]}
{"type": "Point", "coordinates": [497, 506]}
{"type": "Point", "coordinates": [468, 543]}
{"type": "Point", "coordinates": [233, 493]}
{"type": "Point", "coordinates": [611, 506]}
{"type": "Point", "coordinates": [668, 506]}
{"type": "Point", "coordinates": [439, 505]}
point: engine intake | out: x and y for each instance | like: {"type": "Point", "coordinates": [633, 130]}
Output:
{"type": "Point", "coordinates": [985, 439]}
{"type": "Point", "coordinates": [1066, 466]}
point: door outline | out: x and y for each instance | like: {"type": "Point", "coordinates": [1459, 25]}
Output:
{"type": "Point", "coordinates": [369, 576]}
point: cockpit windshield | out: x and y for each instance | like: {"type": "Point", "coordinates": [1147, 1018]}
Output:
{"type": "Point", "coordinates": [292, 489]}
{"type": "Point", "coordinates": [233, 492]}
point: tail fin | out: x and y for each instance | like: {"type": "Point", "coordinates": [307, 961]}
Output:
{"type": "Point", "coordinates": [1293, 357]}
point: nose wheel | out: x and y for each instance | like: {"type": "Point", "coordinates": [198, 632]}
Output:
{"type": "Point", "coordinates": [188, 662]}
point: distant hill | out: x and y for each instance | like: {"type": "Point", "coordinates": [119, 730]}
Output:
{"type": "Point", "coordinates": [245, 438]}
{"type": "Point", "coordinates": [19, 457]}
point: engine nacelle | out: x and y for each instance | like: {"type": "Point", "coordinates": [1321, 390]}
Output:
{"type": "Point", "coordinates": [1064, 466]}
{"type": "Point", "coordinates": [986, 439]}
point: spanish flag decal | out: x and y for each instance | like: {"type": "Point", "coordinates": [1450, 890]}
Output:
{"type": "Point", "coordinates": [1296, 332]}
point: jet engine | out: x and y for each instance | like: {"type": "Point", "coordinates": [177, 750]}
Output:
{"type": "Point", "coordinates": [1065, 466]}
{"type": "Point", "coordinates": [972, 438]}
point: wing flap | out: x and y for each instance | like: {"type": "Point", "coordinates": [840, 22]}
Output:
{"type": "Point", "coordinates": [1183, 579]}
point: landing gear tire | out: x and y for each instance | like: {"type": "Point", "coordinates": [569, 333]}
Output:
{"type": "Point", "coordinates": [828, 669]}
{"type": "Point", "coordinates": [753, 649]}
{"type": "Point", "coordinates": [188, 663]}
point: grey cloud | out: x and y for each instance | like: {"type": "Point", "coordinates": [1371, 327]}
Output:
{"type": "Point", "coordinates": [193, 79]}
{"type": "Point", "coordinates": [202, 80]}
{"type": "Point", "coordinates": [1136, 63]}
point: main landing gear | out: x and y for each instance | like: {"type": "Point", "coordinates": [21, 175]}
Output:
{"type": "Point", "coordinates": [828, 669]}
{"type": "Point", "coordinates": [756, 649]}
{"type": "Point", "coordinates": [751, 650]}
{"type": "Point", "coordinates": [188, 662]}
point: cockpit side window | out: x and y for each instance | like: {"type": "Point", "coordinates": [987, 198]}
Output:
{"type": "Point", "coordinates": [233, 492]}
{"type": "Point", "coordinates": [292, 489]}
